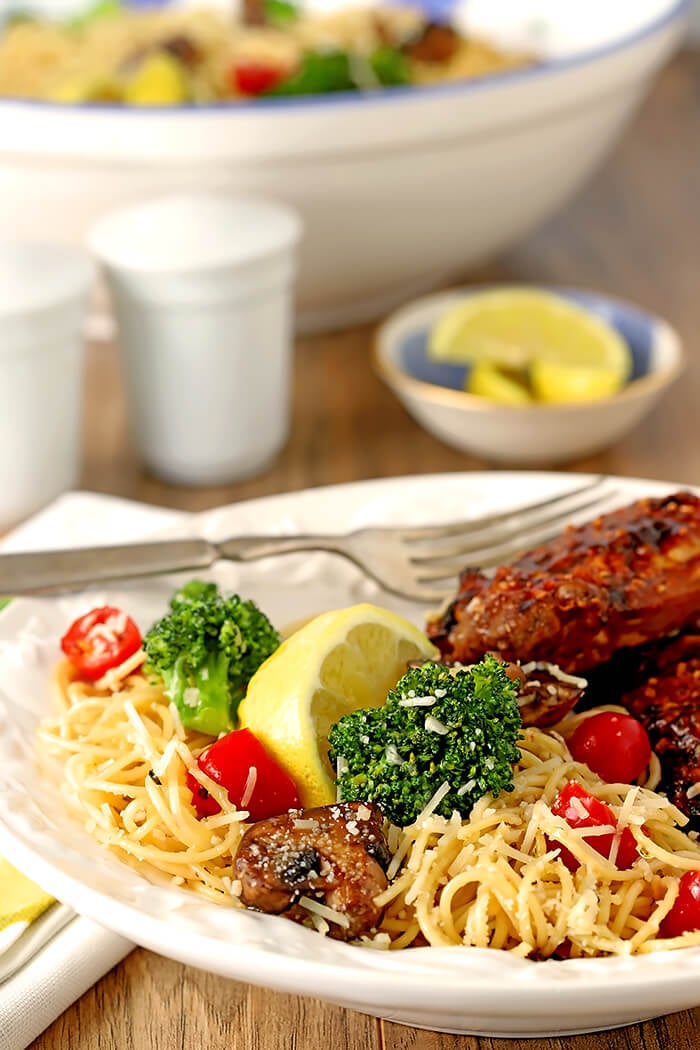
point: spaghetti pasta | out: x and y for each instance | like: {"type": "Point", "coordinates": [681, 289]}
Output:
{"type": "Point", "coordinates": [125, 758]}
{"type": "Point", "coordinates": [496, 880]}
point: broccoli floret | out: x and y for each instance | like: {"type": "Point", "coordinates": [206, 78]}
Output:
{"type": "Point", "coordinates": [206, 650]}
{"type": "Point", "coordinates": [194, 591]}
{"type": "Point", "coordinates": [438, 725]}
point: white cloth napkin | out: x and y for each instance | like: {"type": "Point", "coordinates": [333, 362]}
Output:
{"type": "Point", "coordinates": [54, 977]}
{"type": "Point", "coordinates": [47, 964]}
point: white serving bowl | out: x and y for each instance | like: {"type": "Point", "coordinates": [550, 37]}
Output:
{"type": "Point", "coordinates": [528, 435]}
{"type": "Point", "coordinates": [398, 191]}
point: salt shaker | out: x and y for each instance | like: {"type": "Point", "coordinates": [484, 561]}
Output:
{"type": "Point", "coordinates": [202, 288]}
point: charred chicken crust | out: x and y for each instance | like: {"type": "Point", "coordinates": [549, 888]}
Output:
{"type": "Point", "coordinates": [621, 580]}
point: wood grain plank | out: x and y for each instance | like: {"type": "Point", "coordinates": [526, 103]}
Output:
{"type": "Point", "coordinates": [680, 1031]}
{"type": "Point", "coordinates": [151, 1002]}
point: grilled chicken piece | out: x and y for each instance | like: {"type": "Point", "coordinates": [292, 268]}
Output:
{"type": "Point", "coordinates": [668, 705]}
{"type": "Point", "coordinates": [336, 855]}
{"type": "Point", "coordinates": [621, 580]}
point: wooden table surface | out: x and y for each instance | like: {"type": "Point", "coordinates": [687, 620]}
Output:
{"type": "Point", "coordinates": [634, 232]}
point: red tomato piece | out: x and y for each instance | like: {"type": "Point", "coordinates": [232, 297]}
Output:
{"type": "Point", "coordinates": [255, 78]}
{"type": "Point", "coordinates": [101, 639]}
{"type": "Point", "coordinates": [583, 810]}
{"type": "Point", "coordinates": [254, 781]}
{"type": "Point", "coordinates": [684, 916]}
{"type": "Point", "coordinates": [615, 746]}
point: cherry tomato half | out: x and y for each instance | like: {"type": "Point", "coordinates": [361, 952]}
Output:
{"type": "Point", "coordinates": [101, 639]}
{"type": "Point", "coordinates": [615, 746]}
{"type": "Point", "coordinates": [583, 810]}
{"type": "Point", "coordinates": [254, 781]}
{"type": "Point", "coordinates": [255, 78]}
{"type": "Point", "coordinates": [684, 916]}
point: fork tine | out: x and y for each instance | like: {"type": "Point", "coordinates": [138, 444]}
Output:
{"type": "Point", "coordinates": [490, 557]}
{"type": "Point", "coordinates": [464, 528]}
{"type": "Point", "coordinates": [496, 538]}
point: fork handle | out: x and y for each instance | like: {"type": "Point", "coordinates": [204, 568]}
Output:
{"type": "Point", "coordinates": [248, 548]}
{"type": "Point", "coordinates": [46, 571]}
{"type": "Point", "coordinates": [33, 572]}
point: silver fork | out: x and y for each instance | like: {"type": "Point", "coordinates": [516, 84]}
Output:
{"type": "Point", "coordinates": [418, 562]}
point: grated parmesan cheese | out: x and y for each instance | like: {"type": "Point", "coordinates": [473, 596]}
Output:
{"type": "Point", "coordinates": [433, 725]}
{"type": "Point", "coordinates": [190, 696]}
{"type": "Point", "coordinates": [417, 701]}
{"type": "Point", "coordinates": [317, 908]}
{"type": "Point", "coordinates": [249, 786]}
{"type": "Point", "coordinates": [433, 803]}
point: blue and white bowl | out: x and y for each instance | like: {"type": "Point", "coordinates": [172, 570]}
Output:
{"type": "Point", "coordinates": [524, 435]}
{"type": "Point", "coordinates": [400, 190]}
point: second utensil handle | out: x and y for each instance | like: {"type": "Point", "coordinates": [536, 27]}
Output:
{"type": "Point", "coordinates": [36, 572]}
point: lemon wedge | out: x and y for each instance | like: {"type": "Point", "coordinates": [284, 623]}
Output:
{"type": "Point", "coordinates": [488, 381]}
{"type": "Point", "coordinates": [513, 328]}
{"type": "Point", "coordinates": [338, 662]}
{"type": "Point", "coordinates": [559, 383]}
{"type": "Point", "coordinates": [20, 899]}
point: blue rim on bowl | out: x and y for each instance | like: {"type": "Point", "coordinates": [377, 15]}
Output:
{"type": "Point", "coordinates": [676, 12]}
{"type": "Point", "coordinates": [401, 352]}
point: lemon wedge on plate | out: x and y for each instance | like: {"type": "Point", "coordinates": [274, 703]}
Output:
{"type": "Point", "coordinates": [567, 349]}
{"type": "Point", "coordinates": [338, 662]}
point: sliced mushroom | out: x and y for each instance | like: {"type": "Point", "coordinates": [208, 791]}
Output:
{"type": "Point", "coordinates": [333, 856]}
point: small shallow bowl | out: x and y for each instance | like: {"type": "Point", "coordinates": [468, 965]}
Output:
{"type": "Point", "coordinates": [527, 435]}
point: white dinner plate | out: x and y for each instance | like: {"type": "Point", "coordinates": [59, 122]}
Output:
{"type": "Point", "coordinates": [462, 990]}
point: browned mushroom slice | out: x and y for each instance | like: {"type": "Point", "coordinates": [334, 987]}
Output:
{"type": "Point", "coordinates": [322, 867]}
{"type": "Point", "coordinates": [435, 43]}
{"type": "Point", "coordinates": [546, 693]}
{"type": "Point", "coordinates": [254, 13]}
{"type": "Point", "coordinates": [182, 48]}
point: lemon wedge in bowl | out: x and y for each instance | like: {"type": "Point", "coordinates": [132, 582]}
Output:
{"type": "Point", "coordinates": [338, 662]}
{"type": "Point", "coordinates": [487, 380]}
{"type": "Point", "coordinates": [564, 384]}
{"type": "Point", "coordinates": [546, 334]}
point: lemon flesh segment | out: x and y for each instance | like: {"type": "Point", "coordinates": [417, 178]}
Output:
{"type": "Point", "coordinates": [514, 327]}
{"type": "Point", "coordinates": [338, 662]}
{"type": "Point", "coordinates": [485, 380]}
{"type": "Point", "coordinates": [563, 384]}
{"type": "Point", "coordinates": [22, 900]}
